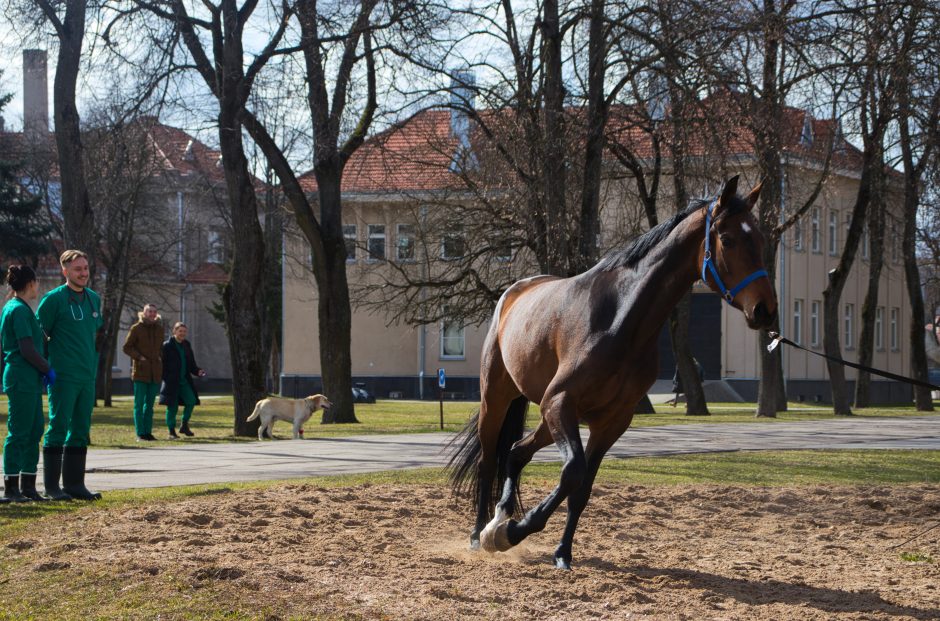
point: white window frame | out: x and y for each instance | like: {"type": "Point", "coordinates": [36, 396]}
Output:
{"type": "Point", "coordinates": [350, 234]}
{"type": "Point", "coordinates": [895, 328]}
{"type": "Point", "coordinates": [460, 337]}
{"type": "Point", "coordinates": [798, 235]}
{"type": "Point", "coordinates": [833, 237]}
{"type": "Point", "coordinates": [376, 234]}
{"type": "Point", "coordinates": [798, 321]}
{"type": "Point", "coordinates": [880, 328]}
{"type": "Point", "coordinates": [814, 323]}
{"type": "Point", "coordinates": [215, 245]}
{"type": "Point", "coordinates": [405, 233]}
{"type": "Point", "coordinates": [849, 332]}
{"type": "Point", "coordinates": [815, 232]}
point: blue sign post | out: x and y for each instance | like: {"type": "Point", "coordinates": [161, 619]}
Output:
{"type": "Point", "coordinates": [441, 382]}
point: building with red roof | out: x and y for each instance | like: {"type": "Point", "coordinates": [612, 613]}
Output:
{"type": "Point", "coordinates": [407, 173]}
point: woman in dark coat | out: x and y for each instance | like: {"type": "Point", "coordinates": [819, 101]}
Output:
{"type": "Point", "coordinates": [179, 368]}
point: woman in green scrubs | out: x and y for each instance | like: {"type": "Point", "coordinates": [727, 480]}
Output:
{"type": "Point", "coordinates": [25, 372]}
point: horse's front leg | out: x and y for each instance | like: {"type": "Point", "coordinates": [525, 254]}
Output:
{"type": "Point", "coordinates": [563, 424]}
{"type": "Point", "coordinates": [599, 443]}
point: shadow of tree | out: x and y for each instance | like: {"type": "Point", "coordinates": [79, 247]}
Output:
{"type": "Point", "coordinates": [769, 591]}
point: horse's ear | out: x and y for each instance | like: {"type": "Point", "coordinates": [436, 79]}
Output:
{"type": "Point", "coordinates": [729, 191]}
{"type": "Point", "coordinates": [754, 195]}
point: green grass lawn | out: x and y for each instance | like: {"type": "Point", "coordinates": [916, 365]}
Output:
{"type": "Point", "coordinates": [212, 421]}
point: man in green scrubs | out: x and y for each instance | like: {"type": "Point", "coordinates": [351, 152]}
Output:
{"type": "Point", "coordinates": [70, 316]}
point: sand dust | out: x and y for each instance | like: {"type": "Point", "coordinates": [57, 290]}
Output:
{"type": "Point", "coordinates": [400, 552]}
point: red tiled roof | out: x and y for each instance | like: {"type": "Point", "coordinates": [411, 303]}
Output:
{"type": "Point", "coordinates": [415, 154]}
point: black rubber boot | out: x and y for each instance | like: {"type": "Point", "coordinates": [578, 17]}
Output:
{"type": "Point", "coordinates": [51, 471]}
{"type": "Point", "coordinates": [184, 429]}
{"type": "Point", "coordinates": [73, 473]}
{"type": "Point", "coordinates": [11, 489]}
{"type": "Point", "coordinates": [28, 487]}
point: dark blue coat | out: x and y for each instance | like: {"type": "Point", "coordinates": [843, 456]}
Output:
{"type": "Point", "coordinates": [172, 364]}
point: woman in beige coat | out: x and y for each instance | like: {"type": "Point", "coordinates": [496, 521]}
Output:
{"type": "Point", "coordinates": [144, 344]}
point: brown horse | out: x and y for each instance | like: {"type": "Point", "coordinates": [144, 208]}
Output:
{"type": "Point", "coordinates": [585, 349]}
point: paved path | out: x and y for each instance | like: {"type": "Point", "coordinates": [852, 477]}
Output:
{"type": "Point", "coordinates": [284, 459]}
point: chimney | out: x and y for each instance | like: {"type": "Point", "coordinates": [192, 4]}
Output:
{"type": "Point", "coordinates": [462, 96]}
{"type": "Point", "coordinates": [35, 94]}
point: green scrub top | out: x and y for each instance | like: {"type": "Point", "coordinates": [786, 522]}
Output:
{"type": "Point", "coordinates": [18, 322]}
{"type": "Point", "coordinates": [182, 352]}
{"type": "Point", "coordinates": [71, 322]}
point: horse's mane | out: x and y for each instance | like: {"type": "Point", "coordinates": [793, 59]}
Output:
{"type": "Point", "coordinates": [641, 246]}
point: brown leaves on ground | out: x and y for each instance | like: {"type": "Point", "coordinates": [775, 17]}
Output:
{"type": "Point", "coordinates": [400, 552]}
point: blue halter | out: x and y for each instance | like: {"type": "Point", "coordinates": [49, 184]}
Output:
{"type": "Point", "coordinates": [708, 263]}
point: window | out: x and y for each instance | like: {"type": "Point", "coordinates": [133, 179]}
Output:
{"type": "Point", "coordinates": [405, 250]}
{"type": "Point", "coordinates": [376, 242]}
{"type": "Point", "coordinates": [849, 328]}
{"type": "Point", "coordinates": [814, 324]}
{"type": "Point", "coordinates": [880, 328]}
{"type": "Point", "coordinates": [452, 338]}
{"type": "Point", "coordinates": [798, 235]}
{"type": "Point", "coordinates": [216, 247]}
{"type": "Point", "coordinates": [894, 329]}
{"type": "Point", "coordinates": [349, 236]}
{"type": "Point", "coordinates": [452, 245]}
{"type": "Point", "coordinates": [833, 232]}
{"type": "Point", "coordinates": [503, 252]}
{"type": "Point", "coordinates": [814, 230]}
{"type": "Point", "coordinates": [798, 321]}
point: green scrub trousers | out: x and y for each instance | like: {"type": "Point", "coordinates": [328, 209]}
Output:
{"type": "Point", "coordinates": [24, 431]}
{"type": "Point", "coordinates": [188, 399]}
{"type": "Point", "coordinates": [144, 395]}
{"type": "Point", "coordinates": [70, 407]}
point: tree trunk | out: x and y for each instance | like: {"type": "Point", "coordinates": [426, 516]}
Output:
{"type": "Point", "coordinates": [866, 344]}
{"type": "Point", "coordinates": [553, 142]}
{"type": "Point", "coordinates": [243, 306]}
{"type": "Point", "coordinates": [695, 404]}
{"type": "Point", "coordinates": [589, 222]}
{"type": "Point", "coordinates": [79, 229]}
{"type": "Point", "coordinates": [922, 400]}
{"type": "Point", "coordinates": [333, 308]}
{"type": "Point", "coordinates": [832, 295]}
{"type": "Point", "coordinates": [771, 391]}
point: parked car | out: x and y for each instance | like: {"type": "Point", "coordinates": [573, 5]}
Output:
{"type": "Point", "coordinates": [361, 395]}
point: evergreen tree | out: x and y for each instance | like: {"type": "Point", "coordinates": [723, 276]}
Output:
{"type": "Point", "coordinates": [23, 231]}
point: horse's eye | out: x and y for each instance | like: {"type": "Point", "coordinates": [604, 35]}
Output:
{"type": "Point", "coordinates": [727, 241]}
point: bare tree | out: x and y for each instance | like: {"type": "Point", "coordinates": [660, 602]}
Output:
{"type": "Point", "coordinates": [68, 22]}
{"type": "Point", "coordinates": [918, 121]}
{"type": "Point", "coordinates": [133, 238]}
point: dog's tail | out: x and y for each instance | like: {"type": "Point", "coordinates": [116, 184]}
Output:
{"type": "Point", "coordinates": [256, 413]}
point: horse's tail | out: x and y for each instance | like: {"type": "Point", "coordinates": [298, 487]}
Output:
{"type": "Point", "coordinates": [466, 451]}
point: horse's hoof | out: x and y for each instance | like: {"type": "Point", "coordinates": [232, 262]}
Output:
{"type": "Point", "coordinates": [475, 544]}
{"type": "Point", "coordinates": [496, 538]}
{"type": "Point", "coordinates": [562, 563]}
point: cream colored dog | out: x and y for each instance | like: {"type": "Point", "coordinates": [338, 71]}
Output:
{"type": "Point", "coordinates": [297, 410]}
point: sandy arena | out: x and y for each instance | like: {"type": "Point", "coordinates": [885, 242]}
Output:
{"type": "Point", "coordinates": [400, 552]}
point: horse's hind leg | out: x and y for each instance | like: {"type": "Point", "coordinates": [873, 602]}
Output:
{"type": "Point", "coordinates": [562, 421]}
{"type": "Point", "coordinates": [520, 455]}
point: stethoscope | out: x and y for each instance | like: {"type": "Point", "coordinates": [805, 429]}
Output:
{"type": "Point", "coordinates": [74, 303]}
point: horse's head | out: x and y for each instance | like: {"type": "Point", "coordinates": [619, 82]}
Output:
{"type": "Point", "coordinates": [731, 257]}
